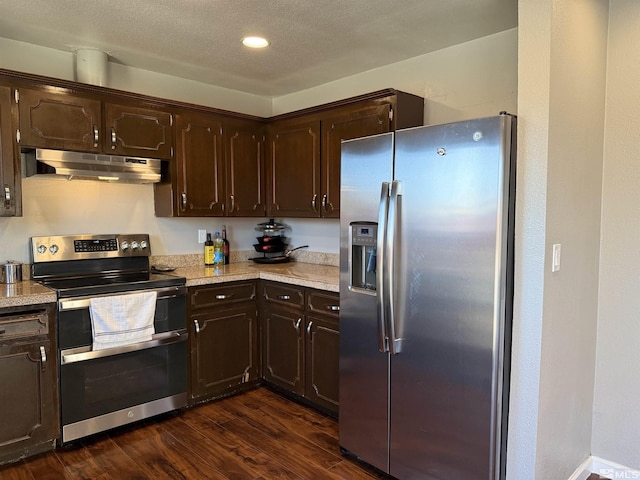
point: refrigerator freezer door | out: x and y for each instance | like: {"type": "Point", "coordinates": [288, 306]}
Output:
{"type": "Point", "coordinates": [450, 272]}
{"type": "Point", "coordinates": [364, 380]}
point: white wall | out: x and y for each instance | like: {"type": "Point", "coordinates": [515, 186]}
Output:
{"type": "Point", "coordinates": [472, 79]}
{"type": "Point", "coordinates": [24, 57]}
{"type": "Point", "coordinates": [478, 79]}
{"type": "Point", "coordinates": [562, 64]}
{"type": "Point", "coordinates": [574, 191]}
{"type": "Point", "coordinates": [616, 419]}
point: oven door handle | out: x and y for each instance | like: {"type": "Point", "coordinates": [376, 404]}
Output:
{"type": "Point", "coordinates": [78, 303]}
{"type": "Point", "coordinates": [82, 354]}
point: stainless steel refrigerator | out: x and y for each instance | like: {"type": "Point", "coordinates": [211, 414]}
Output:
{"type": "Point", "coordinates": [426, 268]}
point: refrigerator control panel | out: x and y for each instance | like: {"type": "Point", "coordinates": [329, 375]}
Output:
{"type": "Point", "coordinates": [362, 264]}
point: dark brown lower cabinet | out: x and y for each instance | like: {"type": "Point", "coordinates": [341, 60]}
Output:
{"type": "Point", "coordinates": [300, 343]}
{"type": "Point", "coordinates": [223, 335]}
{"type": "Point", "coordinates": [283, 348]}
{"type": "Point", "coordinates": [28, 393]}
{"type": "Point", "coordinates": [322, 350]}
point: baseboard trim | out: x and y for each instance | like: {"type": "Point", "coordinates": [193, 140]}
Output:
{"type": "Point", "coordinates": [605, 468]}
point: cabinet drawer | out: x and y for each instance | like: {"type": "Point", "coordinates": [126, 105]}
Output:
{"type": "Point", "coordinates": [218, 295]}
{"type": "Point", "coordinates": [284, 295]}
{"type": "Point", "coordinates": [23, 325]}
{"type": "Point", "coordinates": [324, 303]}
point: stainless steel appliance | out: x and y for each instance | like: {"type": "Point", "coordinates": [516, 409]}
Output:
{"type": "Point", "coordinates": [106, 388]}
{"type": "Point", "coordinates": [426, 266]}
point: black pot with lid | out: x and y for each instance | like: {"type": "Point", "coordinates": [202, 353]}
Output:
{"type": "Point", "coordinates": [272, 228]}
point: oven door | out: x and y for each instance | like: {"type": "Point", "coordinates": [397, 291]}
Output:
{"type": "Point", "coordinates": [107, 388]}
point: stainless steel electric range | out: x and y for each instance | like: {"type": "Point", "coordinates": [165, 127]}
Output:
{"type": "Point", "coordinates": [105, 388]}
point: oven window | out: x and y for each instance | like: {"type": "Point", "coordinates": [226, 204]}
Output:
{"type": "Point", "coordinates": [103, 385]}
{"type": "Point", "coordinates": [74, 326]}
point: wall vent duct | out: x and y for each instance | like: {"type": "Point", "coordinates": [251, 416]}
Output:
{"type": "Point", "coordinates": [92, 66]}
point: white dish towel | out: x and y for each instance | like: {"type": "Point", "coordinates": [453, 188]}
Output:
{"type": "Point", "coordinates": [122, 319]}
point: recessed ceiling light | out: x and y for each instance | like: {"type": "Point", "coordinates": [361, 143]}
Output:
{"type": "Point", "coordinates": [255, 42]}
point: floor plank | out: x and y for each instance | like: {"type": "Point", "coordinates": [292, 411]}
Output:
{"type": "Point", "coordinates": [256, 435]}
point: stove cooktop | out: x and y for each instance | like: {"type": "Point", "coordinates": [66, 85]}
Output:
{"type": "Point", "coordinates": [106, 284]}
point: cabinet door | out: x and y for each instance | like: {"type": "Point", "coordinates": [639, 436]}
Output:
{"type": "Point", "coordinates": [350, 123]}
{"type": "Point", "coordinates": [294, 169]}
{"type": "Point", "coordinates": [322, 356]}
{"type": "Point", "coordinates": [200, 165]}
{"type": "Point", "coordinates": [283, 348]}
{"type": "Point", "coordinates": [28, 414]}
{"type": "Point", "coordinates": [224, 350]}
{"type": "Point", "coordinates": [244, 151]}
{"type": "Point", "coordinates": [60, 121]}
{"type": "Point", "coordinates": [138, 132]}
{"type": "Point", "coordinates": [10, 200]}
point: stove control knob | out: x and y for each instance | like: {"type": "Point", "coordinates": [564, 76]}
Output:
{"type": "Point", "coordinates": [134, 245]}
{"type": "Point", "coordinates": [42, 249]}
{"type": "Point", "coordinates": [53, 249]}
{"type": "Point", "coordinates": [143, 244]}
{"type": "Point", "coordinates": [124, 246]}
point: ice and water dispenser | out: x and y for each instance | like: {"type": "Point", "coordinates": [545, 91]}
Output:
{"type": "Point", "coordinates": [363, 256]}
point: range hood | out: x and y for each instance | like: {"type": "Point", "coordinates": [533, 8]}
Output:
{"type": "Point", "coordinates": [90, 166]}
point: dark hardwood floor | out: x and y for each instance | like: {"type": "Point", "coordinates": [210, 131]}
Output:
{"type": "Point", "coordinates": [256, 435]}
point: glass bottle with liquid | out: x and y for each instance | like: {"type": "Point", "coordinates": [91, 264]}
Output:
{"type": "Point", "coordinates": [218, 251]}
{"type": "Point", "coordinates": [226, 245]}
{"type": "Point", "coordinates": [208, 251]}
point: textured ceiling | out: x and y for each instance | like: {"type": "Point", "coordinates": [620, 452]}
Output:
{"type": "Point", "coordinates": [312, 41]}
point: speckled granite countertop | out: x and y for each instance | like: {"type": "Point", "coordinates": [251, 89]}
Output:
{"type": "Point", "coordinates": [322, 277]}
{"type": "Point", "coordinates": [25, 293]}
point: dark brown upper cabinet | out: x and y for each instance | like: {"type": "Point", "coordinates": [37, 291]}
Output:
{"type": "Point", "coordinates": [294, 168]}
{"type": "Point", "coordinates": [244, 155]}
{"type": "Point", "coordinates": [199, 166]}
{"type": "Point", "coordinates": [350, 123]}
{"type": "Point", "coordinates": [59, 120]}
{"type": "Point", "coordinates": [138, 132]}
{"type": "Point", "coordinates": [67, 121]}
{"type": "Point", "coordinates": [218, 169]}
{"type": "Point", "coordinates": [10, 191]}
{"type": "Point", "coordinates": [303, 174]}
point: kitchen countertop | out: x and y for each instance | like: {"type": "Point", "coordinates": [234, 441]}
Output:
{"type": "Point", "coordinates": [25, 293]}
{"type": "Point", "coordinates": [321, 277]}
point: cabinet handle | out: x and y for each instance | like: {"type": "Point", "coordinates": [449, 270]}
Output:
{"type": "Point", "coordinates": [333, 308]}
{"type": "Point", "coordinates": [43, 355]}
{"type": "Point", "coordinates": [7, 196]}
{"type": "Point", "coordinates": [309, 328]}
{"type": "Point", "coordinates": [284, 297]}
{"type": "Point", "coordinates": [184, 200]}
{"type": "Point", "coordinates": [197, 325]}
{"type": "Point", "coordinates": [223, 297]}
{"type": "Point", "coordinates": [324, 202]}
{"type": "Point", "coordinates": [298, 325]}
{"type": "Point", "coordinates": [313, 202]}
{"type": "Point", "coordinates": [96, 136]}
{"type": "Point", "coordinates": [113, 138]}
{"type": "Point", "coordinates": [233, 203]}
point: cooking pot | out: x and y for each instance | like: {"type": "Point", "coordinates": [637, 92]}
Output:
{"type": "Point", "coordinates": [272, 228]}
{"type": "Point", "coordinates": [279, 259]}
{"type": "Point", "coordinates": [11, 272]}
{"type": "Point", "coordinates": [275, 248]}
{"type": "Point", "coordinates": [271, 240]}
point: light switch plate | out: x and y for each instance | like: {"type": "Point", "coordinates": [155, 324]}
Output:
{"type": "Point", "coordinates": [555, 263]}
{"type": "Point", "coordinates": [202, 236]}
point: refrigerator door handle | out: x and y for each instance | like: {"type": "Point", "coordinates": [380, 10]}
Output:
{"type": "Point", "coordinates": [395, 344]}
{"type": "Point", "coordinates": [381, 296]}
